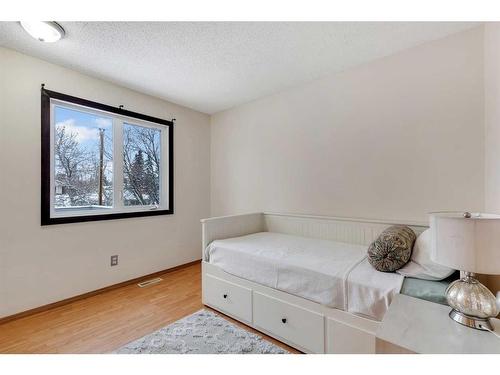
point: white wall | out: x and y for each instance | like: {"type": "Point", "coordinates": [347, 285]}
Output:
{"type": "Point", "coordinates": [393, 139]}
{"type": "Point", "coordinates": [492, 115]}
{"type": "Point", "coordinates": [40, 265]}
{"type": "Point", "coordinates": [492, 128]}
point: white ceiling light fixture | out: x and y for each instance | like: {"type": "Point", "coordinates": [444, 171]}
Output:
{"type": "Point", "coordinates": [44, 31]}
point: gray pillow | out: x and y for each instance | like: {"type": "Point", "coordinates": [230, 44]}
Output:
{"type": "Point", "coordinates": [392, 249]}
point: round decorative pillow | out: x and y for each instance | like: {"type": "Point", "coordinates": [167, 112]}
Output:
{"type": "Point", "coordinates": [392, 249]}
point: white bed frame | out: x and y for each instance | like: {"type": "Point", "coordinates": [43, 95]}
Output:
{"type": "Point", "coordinates": [305, 325]}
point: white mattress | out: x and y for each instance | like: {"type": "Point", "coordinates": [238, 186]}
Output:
{"type": "Point", "coordinates": [331, 273]}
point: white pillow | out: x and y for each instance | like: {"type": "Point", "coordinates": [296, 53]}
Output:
{"type": "Point", "coordinates": [420, 265]}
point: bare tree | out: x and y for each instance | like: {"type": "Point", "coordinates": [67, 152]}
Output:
{"type": "Point", "coordinates": [72, 161]}
{"type": "Point", "coordinates": [76, 169]}
{"type": "Point", "coordinates": [141, 157]}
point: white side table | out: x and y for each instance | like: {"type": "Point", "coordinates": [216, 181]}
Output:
{"type": "Point", "coordinates": [412, 325]}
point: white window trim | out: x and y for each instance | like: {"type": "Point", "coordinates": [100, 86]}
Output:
{"type": "Point", "coordinates": [118, 206]}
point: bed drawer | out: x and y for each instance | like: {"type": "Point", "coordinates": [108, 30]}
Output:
{"type": "Point", "coordinates": [343, 338]}
{"type": "Point", "coordinates": [228, 297]}
{"type": "Point", "coordinates": [292, 323]}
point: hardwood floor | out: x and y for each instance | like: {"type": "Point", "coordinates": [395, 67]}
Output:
{"type": "Point", "coordinates": [106, 321]}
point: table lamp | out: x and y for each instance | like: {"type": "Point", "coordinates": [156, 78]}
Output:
{"type": "Point", "coordinates": [469, 243]}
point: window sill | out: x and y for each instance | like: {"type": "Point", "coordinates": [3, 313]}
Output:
{"type": "Point", "coordinates": [115, 216]}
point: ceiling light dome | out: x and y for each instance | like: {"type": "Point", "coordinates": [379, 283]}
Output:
{"type": "Point", "coordinates": [43, 31]}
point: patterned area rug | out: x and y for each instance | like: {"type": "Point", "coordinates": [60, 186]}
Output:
{"type": "Point", "coordinates": [201, 333]}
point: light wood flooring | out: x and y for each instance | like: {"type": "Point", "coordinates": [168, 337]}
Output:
{"type": "Point", "coordinates": [108, 320]}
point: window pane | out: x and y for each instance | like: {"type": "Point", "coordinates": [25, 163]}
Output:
{"type": "Point", "coordinates": [141, 165]}
{"type": "Point", "coordinates": [83, 154]}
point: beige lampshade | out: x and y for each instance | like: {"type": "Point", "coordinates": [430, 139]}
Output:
{"type": "Point", "coordinates": [466, 244]}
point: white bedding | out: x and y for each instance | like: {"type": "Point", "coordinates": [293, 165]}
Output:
{"type": "Point", "coordinates": [334, 274]}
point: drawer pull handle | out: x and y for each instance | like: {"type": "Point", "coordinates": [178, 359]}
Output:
{"type": "Point", "coordinates": [283, 320]}
{"type": "Point", "coordinates": [225, 296]}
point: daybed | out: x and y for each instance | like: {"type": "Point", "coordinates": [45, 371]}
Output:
{"type": "Point", "coordinates": [304, 280]}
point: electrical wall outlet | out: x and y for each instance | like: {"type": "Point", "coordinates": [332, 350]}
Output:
{"type": "Point", "coordinates": [114, 260]}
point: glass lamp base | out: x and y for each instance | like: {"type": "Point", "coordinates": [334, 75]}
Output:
{"type": "Point", "coordinates": [472, 303]}
{"type": "Point", "coordinates": [471, 321]}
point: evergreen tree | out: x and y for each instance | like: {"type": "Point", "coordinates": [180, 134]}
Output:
{"type": "Point", "coordinates": [151, 182]}
{"type": "Point", "coordinates": [137, 177]}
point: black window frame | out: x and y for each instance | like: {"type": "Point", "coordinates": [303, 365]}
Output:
{"type": "Point", "coordinates": [46, 219]}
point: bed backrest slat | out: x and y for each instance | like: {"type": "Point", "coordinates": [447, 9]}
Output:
{"type": "Point", "coordinates": [351, 230]}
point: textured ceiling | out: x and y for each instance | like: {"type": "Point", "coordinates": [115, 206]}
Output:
{"type": "Point", "coordinates": [212, 66]}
